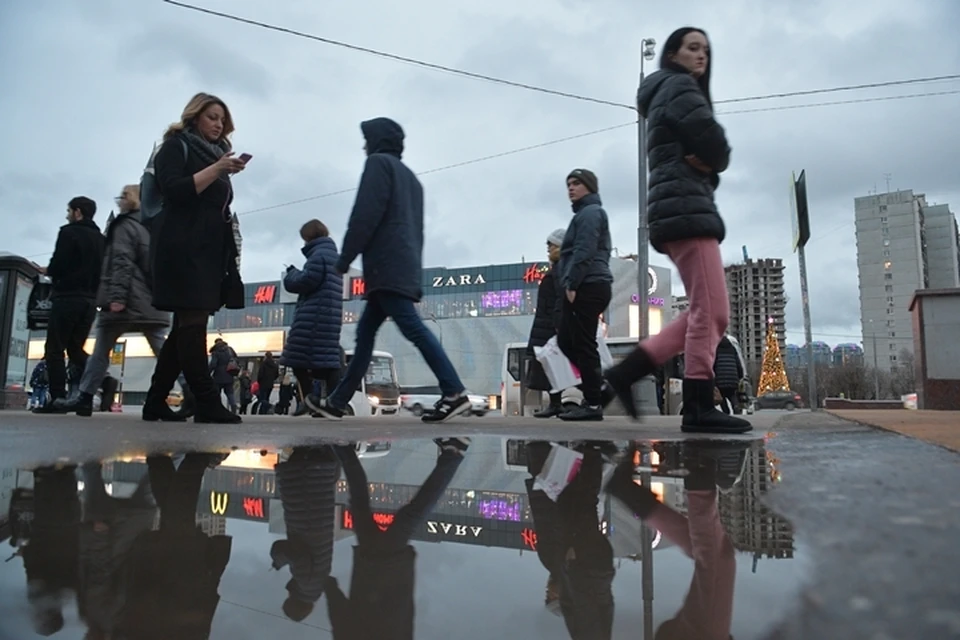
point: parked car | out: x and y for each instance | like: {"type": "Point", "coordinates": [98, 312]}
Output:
{"type": "Point", "coordinates": [420, 399]}
{"type": "Point", "coordinates": [784, 399]}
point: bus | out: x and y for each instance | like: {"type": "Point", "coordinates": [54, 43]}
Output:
{"type": "Point", "coordinates": [515, 352]}
{"type": "Point", "coordinates": [379, 392]}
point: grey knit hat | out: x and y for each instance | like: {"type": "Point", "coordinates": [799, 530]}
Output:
{"type": "Point", "coordinates": [556, 238]}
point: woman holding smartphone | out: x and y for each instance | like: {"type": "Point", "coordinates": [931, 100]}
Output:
{"type": "Point", "coordinates": [687, 150]}
{"type": "Point", "coordinates": [195, 258]}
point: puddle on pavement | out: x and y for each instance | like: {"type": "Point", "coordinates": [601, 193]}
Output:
{"type": "Point", "coordinates": [457, 544]}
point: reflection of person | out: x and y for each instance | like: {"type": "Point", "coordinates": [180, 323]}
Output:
{"type": "Point", "coordinates": [688, 150]}
{"type": "Point", "coordinates": [175, 571]}
{"type": "Point", "coordinates": [571, 547]}
{"type": "Point", "coordinates": [306, 483]}
{"type": "Point", "coordinates": [381, 585]}
{"type": "Point", "coordinates": [707, 611]}
{"type": "Point", "coordinates": [546, 322]}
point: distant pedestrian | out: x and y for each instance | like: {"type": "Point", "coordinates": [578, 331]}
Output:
{"type": "Point", "coordinates": [688, 150]}
{"type": "Point", "coordinates": [386, 227]}
{"type": "Point", "coordinates": [312, 348]}
{"type": "Point", "coordinates": [546, 322]}
{"type": "Point", "coordinates": [587, 283]}
{"type": "Point", "coordinates": [266, 377]}
{"type": "Point", "coordinates": [224, 368]}
{"type": "Point", "coordinates": [728, 372]}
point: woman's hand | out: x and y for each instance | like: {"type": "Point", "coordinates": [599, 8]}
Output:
{"type": "Point", "coordinates": [228, 164]}
{"type": "Point", "coordinates": [698, 164]}
{"type": "Point", "coordinates": [571, 295]}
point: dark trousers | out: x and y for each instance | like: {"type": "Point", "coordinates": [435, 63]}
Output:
{"type": "Point", "coordinates": [307, 378]}
{"type": "Point", "coordinates": [410, 517]}
{"type": "Point", "coordinates": [380, 306]}
{"type": "Point", "coordinates": [577, 337]}
{"type": "Point", "coordinates": [70, 322]}
{"type": "Point", "coordinates": [263, 398]}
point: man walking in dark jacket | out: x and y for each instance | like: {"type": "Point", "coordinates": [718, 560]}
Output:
{"type": "Point", "coordinates": [223, 369]}
{"type": "Point", "coordinates": [266, 377]}
{"type": "Point", "coordinates": [75, 272]}
{"type": "Point", "coordinates": [587, 282]}
{"type": "Point", "coordinates": [386, 227]}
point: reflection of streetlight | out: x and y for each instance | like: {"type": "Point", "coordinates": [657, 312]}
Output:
{"type": "Point", "coordinates": [876, 368]}
{"type": "Point", "coordinates": [433, 318]}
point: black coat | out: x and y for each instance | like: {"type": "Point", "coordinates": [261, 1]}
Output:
{"type": "Point", "coordinates": [268, 373]}
{"type": "Point", "coordinates": [585, 254]}
{"type": "Point", "coordinates": [313, 341]}
{"type": "Point", "coordinates": [727, 368]}
{"type": "Point", "coordinates": [545, 324]}
{"type": "Point", "coordinates": [680, 122]}
{"type": "Point", "coordinates": [192, 237]}
{"type": "Point", "coordinates": [75, 265]}
{"type": "Point", "coordinates": [386, 224]}
{"type": "Point", "coordinates": [220, 356]}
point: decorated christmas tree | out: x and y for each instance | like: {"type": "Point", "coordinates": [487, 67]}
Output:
{"type": "Point", "coordinates": [773, 376]}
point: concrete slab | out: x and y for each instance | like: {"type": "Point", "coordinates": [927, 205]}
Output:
{"type": "Point", "coordinates": [937, 427]}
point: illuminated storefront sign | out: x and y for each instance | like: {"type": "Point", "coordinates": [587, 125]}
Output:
{"type": "Point", "coordinates": [499, 510]}
{"type": "Point", "coordinates": [501, 299]}
{"type": "Point", "coordinates": [265, 294]}
{"type": "Point", "coordinates": [535, 272]}
{"type": "Point", "coordinates": [457, 281]}
{"type": "Point", "coordinates": [358, 287]}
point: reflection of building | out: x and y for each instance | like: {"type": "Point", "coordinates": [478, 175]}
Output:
{"type": "Point", "coordinates": [212, 525]}
{"type": "Point", "coordinates": [756, 294]}
{"type": "Point", "coordinates": [903, 244]}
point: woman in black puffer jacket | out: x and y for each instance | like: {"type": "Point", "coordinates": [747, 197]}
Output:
{"type": "Point", "coordinates": [545, 323]}
{"type": "Point", "coordinates": [687, 150]}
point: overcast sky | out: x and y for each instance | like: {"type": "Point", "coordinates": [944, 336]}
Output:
{"type": "Point", "coordinates": [87, 87]}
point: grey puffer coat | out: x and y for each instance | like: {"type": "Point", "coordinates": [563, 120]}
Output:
{"type": "Point", "coordinates": [124, 277]}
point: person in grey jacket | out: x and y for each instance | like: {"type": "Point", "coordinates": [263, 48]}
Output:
{"type": "Point", "coordinates": [587, 281]}
{"type": "Point", "coordinates": [124, 299]}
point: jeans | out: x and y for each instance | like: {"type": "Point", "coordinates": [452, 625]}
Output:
{"type": "Point", "coordinates": [70, 322]}
{"type": "Point", "coordinates": [697, 331]}
{"type": "Point", "coordinates": [263, 399]}
{"type": "Point", "coordinates": [227, 388]}
{"type": "Point", "coordinates": [38, 396]}
{"type": "Point", "coordinates": [99, 361]}
{"type": "Point", "coordinates": [380, 306]}
{"type": "Point", "coordinates": [577, 337]}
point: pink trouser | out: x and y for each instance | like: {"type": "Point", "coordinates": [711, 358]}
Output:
{"type": "Point", "coordinates": [697, 331]}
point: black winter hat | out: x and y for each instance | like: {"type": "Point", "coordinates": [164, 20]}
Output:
{"type": "Point", "coordinates": [587, 178]}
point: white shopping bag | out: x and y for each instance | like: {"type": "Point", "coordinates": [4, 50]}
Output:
{"type": "Point", "coordinates": [606, 358]}
{"type": "Point", "coordinates": [560, 468]}
{"type": "Point", "coordinates": [561, 373]}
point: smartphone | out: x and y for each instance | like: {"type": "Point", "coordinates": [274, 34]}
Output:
{"type": "Point", "coordinates": [244, 158]}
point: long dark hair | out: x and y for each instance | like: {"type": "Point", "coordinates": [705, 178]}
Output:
{"type": "Point", "coordinates": [672, 46]}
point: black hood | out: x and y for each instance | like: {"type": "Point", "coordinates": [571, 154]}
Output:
{"type": "Point", "coordinates": [649, 87]}
{"type": "Point", "coordinates": [383, 135]}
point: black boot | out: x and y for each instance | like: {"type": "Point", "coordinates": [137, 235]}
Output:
{"type": "Point", "coordinates": [155, 408]}
{"type": "Point", "coordinates": [555, 408]}
{"type": "Point", "coordinates": [700, 415]}
{"type": "Point", "coordinates": [725, 459]}
{"type": "Point", "coordinates": [640, 500]}
{"type": "Point", "coordinates": [192, 350]}
{"type": "Point", "coordinates": [621, 378]}
{"type": "Point", "coordinates": [82, 405]}
{"type": "Point", "coordinates": [108, 393]}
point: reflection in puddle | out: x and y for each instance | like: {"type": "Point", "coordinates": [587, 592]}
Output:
{"type": "Point", "coordinates": [402, 539]}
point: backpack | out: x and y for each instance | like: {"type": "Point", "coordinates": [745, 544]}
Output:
{"type": "Point", "coordinates": [151, 200]}
{"type": "Point", "coordinates": [233, 365]}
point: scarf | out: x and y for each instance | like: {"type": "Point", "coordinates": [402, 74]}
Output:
{"type": "Point", "coordinates": [211, 152]}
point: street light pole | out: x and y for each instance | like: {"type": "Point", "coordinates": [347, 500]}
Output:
{"type": "Point", "coordinates": [876, 367]}
{"type": "Point", "coordinates": [646, 388]}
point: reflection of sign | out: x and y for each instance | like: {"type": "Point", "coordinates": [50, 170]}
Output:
{"type": "Point", "coordinates": [253, 507]}
{"type": "Point", "coordinates": [529, 538]}
{"type": "Point", "coordinates": [382, 520]}
{"type": "Point", "coordinates": [265, 294]}
{"type": "Point", "coordinates": [456, 530]}
{"type": "Point", "coordinates": [499, 510]}
{"type": "Point", "coordinates": [458, 281]}
{"type": "Point", "coordinates": [219, 503]}
{"type": "Point", "coordinates": [357, 287]}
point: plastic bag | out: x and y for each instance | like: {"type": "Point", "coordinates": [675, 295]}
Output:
{"type": "Point", "coordinates": [606, 358]}
{"type": "Point", "coordinates": [559, 469]}
{"type": "Point", "coordinates": [561, 373]}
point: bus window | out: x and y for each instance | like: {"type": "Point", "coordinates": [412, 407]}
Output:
{"type": "Point", "coordinates": [513, 362]}
{"type": "Point", "coordinates": [380, 371]}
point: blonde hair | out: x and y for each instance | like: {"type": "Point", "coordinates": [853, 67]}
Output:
{"type": "Point", "coordinates": [197, 105]}
{"type": "Point", "coordinates": [132, 192]}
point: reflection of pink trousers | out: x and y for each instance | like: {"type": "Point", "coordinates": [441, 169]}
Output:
{"type": "Point", "coordinates": [697, 331]}
{"type": "Point", "coordinates": [708, 607]}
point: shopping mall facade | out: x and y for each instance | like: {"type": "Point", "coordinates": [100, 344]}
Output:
{"type": "Point", "coordinates": [475, 312]}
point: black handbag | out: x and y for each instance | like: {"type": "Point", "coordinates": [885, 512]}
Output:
{"type": "Point", "coordinates": [231, 290]}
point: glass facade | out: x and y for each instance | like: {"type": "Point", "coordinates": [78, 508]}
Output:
{"type": "Point", "coordinates": [494, 290]}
